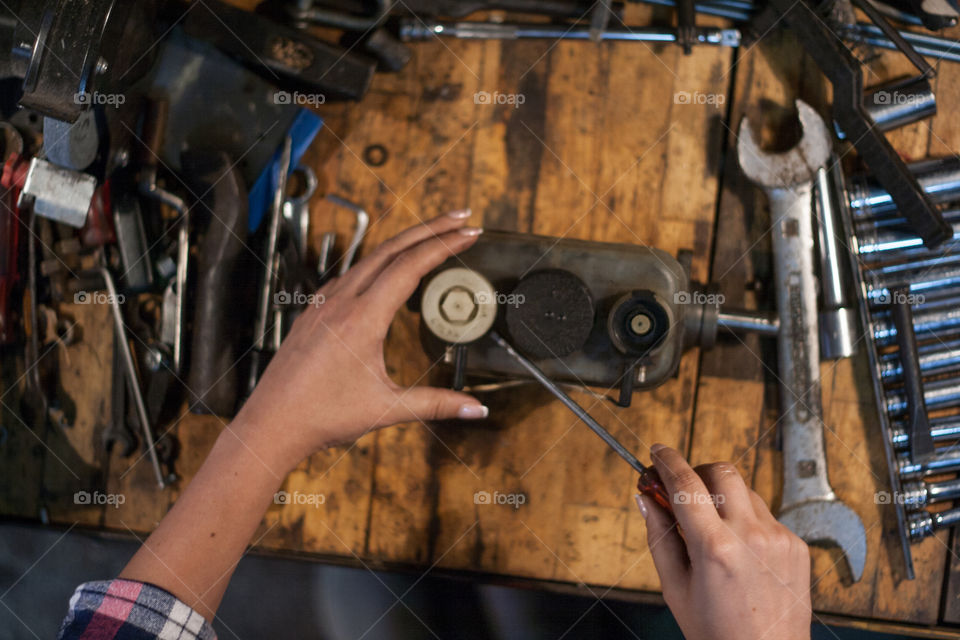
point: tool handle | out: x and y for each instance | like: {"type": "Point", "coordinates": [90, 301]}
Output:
{"type": "Point", "coordinates": [651, 485]}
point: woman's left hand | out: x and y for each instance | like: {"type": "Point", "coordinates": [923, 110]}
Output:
{"type": "Point", "coordinates": [328, 383]}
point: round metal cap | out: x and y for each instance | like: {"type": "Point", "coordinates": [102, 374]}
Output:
{"type": "Point", "coordinates": [458, 305]}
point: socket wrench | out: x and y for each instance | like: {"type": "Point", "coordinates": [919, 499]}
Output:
{"type": "Point", "coordinates": [934, 358]}
{"type": "Point", "coordinates": [942, 429]}
{"type": "Point", "coordinates": [924, 524]}
{"type": "Point", "coordinates": [918, 494]}
{"type": "Point", "coordinates": [838, 317]}
{"type": "Point", "coordinates": [938, 177]}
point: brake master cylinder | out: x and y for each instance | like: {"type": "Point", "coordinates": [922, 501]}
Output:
{"type": "Point", "coordinates": [599, 314]}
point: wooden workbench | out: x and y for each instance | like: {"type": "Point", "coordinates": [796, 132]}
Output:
{"type": "Point", "coordinates": [600, 149]}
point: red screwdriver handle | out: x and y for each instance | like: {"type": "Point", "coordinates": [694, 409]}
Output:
{"type": "Point", "coordinates": [651, 485]}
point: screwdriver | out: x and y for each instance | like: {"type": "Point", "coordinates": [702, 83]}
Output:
{"type": "Point", "coordinates": [649, 483]}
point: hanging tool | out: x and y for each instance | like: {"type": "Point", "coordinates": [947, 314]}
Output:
{"type": "Point", "coordinates": [174, 296]}
{"type": "Point", "coordinates": [296, 210]}
{"type": "Point", "coordinates": [133, 382]}
{"type": "Point", "coordinates": [649, 483]}
{"type": "Point", "coordinates": [268, 284]}
{"type": "Point", "coordinates": [809, 506]}
{"type": "Point", "coordinates": [359, 230]}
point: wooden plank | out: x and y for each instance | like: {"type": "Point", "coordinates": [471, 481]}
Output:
{"type": "Point", "coordinates": [438, 157]}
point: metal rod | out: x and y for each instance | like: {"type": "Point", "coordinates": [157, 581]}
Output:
{"type": "Point", "coordinates": [273, 231]}
{"type": "Point", "coordinates": [579, 411]}
{"type": "Point", "coordinates": [417, 30]}
{"type": "Point", "coordinates": [938, 47]}
{"type": "Point", "coordinates": [749, 322]}
{"type": "Point", "coordinates": [132, 379]}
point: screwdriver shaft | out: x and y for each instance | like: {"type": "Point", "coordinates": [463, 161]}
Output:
{"type": "Point", "coordinates": [579, 411]}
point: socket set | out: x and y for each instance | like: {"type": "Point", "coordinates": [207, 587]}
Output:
{"type": "Point", "coordinates": [910, 310]}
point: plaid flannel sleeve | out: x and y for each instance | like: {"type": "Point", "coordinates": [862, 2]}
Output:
{"type": "Point", "coordinates": [128, 610]}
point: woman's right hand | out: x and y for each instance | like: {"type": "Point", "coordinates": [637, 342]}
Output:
{"type": "Point", "coordinates": [728, 569]}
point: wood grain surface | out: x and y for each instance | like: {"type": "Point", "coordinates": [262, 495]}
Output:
{"type": "Point", "coordinates": [601, 148]}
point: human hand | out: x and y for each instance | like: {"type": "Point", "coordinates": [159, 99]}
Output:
{"type": "Point", "coordinates": [328, 383]}
{"type": "Point", "coordinates": [730, 571]}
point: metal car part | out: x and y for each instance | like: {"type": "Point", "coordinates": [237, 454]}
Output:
{"type": "Point", "coordinates": [610, 271]}
{"type": "Point", "coordinates": [458, 305]}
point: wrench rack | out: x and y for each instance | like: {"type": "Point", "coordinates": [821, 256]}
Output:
{"type": "Point", "coordinates": [888, 262]}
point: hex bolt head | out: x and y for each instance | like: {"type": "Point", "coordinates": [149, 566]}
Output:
{"type": "Point", "coordinates": [457, 306]}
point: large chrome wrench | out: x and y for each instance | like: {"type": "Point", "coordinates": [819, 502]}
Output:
{"type": "Point", "coordinates": [809, 507]}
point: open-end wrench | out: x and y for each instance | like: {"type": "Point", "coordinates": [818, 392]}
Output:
{"type": "Point", "coordinates": [809, 507]}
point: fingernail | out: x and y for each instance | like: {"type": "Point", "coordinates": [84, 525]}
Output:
{"type": "Point", "coordinates": [471, 231]}
{"type": "Point", "coordinates": [657, 447]}
{"type": "Point", "coordinates": [641, 506]}
{"type": "Point", "coordinates": [473, 412]}
{"type": "Point", "coordinates": [460, 214]}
